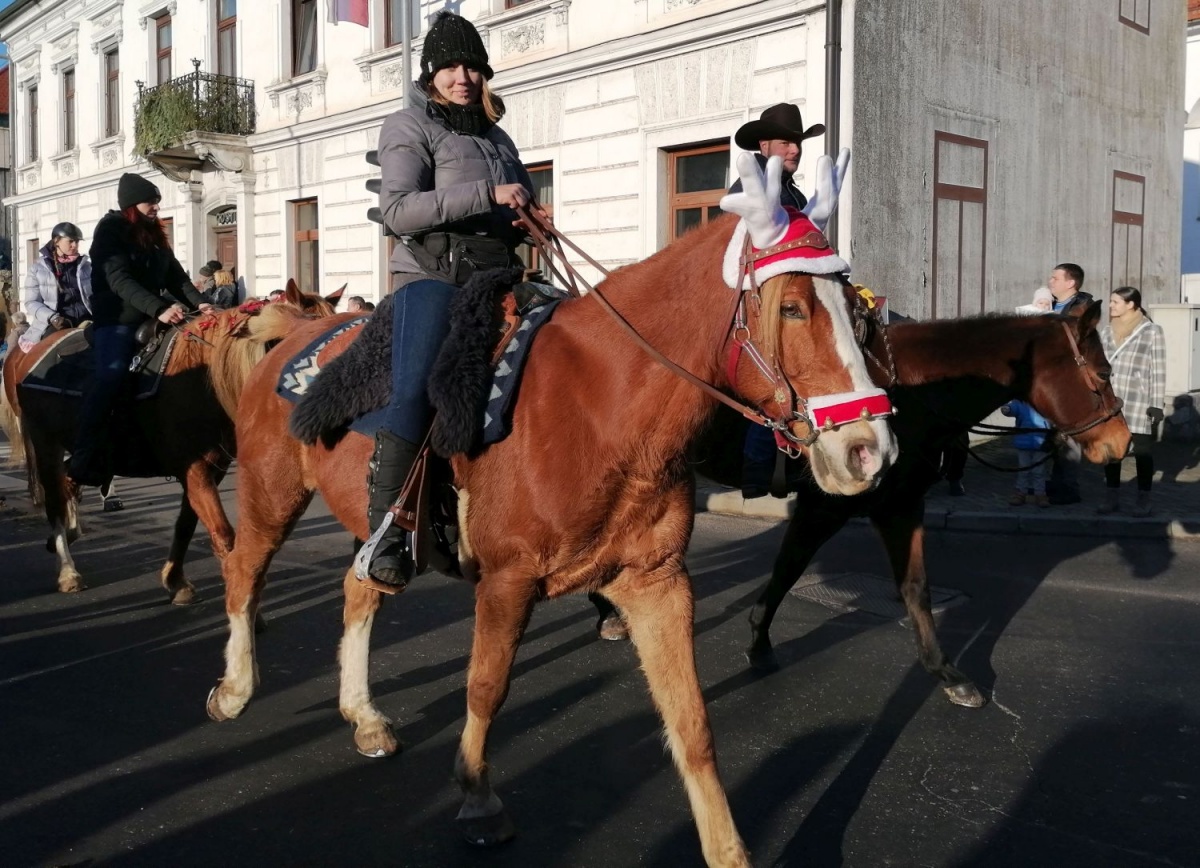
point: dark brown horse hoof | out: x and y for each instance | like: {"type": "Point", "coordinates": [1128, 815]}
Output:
{"type": "Point", "coordinates": [487, 831]}
{"type": "Point", "coordinates": [763, 661]}
{"type": "Point", "coordinates": [967, 695]}
{"type": "Point", "coordinates": [613, 629]}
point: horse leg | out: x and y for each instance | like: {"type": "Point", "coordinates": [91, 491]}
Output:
{"type": "Point", "coordinates": [201, 500]}
{"type": "Point", "coordinates": [269, 509]}
{"type": "Point", "coordinates": [808, 530]}
{"type": "Point", "coordinates": [503, 604]}
{"type": "Point", "coordinates": [610, 626]}
{"type": "Point", "coordinates": [372, 730]}
{"type": "Point", "coordinates": [59, 502]}
{"type": "Point", "coordinates": [903, 534]}
{"type": "Point", "coordinates": [658, 609]}
{"type": "Point", "coordinates": [182, 591]}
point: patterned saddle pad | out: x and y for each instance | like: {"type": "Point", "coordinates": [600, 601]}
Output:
{"type": "Point", "coordinates": [66, 368]}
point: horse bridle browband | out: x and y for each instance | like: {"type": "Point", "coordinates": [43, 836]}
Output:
{"type": "Point", "coordinates": [793, 414]}
{"type": "Point", "coordinates": [1096, 387]}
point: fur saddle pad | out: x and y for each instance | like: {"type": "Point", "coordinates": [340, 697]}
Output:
{"type": "Point", "coordinates": [66, 368]}
{"type": "Point", "coordinates": [472, 397]}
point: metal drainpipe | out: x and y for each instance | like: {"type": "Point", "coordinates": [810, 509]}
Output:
{"type": "Point", "coordinates": [14, 235]}
{"type": "Point", "coordinates": [833, 94]}
{"type": "Point", "coordinates": [406, 49]}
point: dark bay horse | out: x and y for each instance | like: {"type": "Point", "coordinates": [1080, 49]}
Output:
{"type": "Point", "coordinates": [950, 375]}
{"type": "Point", "coordinates": [189, 425]}
{"type": "Point", "coordinates": [590, 492]}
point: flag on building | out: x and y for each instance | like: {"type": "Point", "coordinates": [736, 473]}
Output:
{"type": "Point", "coordinates": [354, 11]}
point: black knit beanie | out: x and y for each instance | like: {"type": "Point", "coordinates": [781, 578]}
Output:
{"type": "Point", "coordinates": [452, 39]}
{"type": "Point", "coordinates": [134, 190]}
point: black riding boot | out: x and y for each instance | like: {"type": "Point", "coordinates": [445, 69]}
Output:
{"type": "Point", "coordinates": [392, 562]}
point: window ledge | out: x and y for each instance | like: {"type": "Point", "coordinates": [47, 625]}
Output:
{"type": "Point", "coordinates": [298, 91]}
{"type": "Point", "coordinates": [97, 146]}
{"type": "Point", "coordinates": [72, 154]}
{"type": "Point", "coordinates": [367, 63]}
{"type": "Point", "coordinates": [526, 10]}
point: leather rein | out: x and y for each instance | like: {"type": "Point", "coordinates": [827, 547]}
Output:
{"type": "Point", "coordinates": [1108, 411]}
{"type": "Point", "coordinates": [794, 426]}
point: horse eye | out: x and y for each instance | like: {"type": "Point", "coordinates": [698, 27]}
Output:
{"type": "Point", "coordinates": [791, 310]}
{"type": "Point", "coordinates": [1105, 375]}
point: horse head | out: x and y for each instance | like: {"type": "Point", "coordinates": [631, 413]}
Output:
{"type": "Point", "coordinates": [792, 350]}
{"type": "Point", "coordinates": [1072, 388]}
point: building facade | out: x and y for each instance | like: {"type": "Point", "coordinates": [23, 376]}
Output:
{"type": "Point", "coordinates": [988, 143]}
{"type": "Point", "coordinates": [1190, 229]}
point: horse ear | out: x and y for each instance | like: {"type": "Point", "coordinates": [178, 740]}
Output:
{"type": "Point", "coordinates": [1089, 319]}
{"type": "Point", "coordinates": [292, 293]}
{"type": "Point", "coordinates": [334, 297]}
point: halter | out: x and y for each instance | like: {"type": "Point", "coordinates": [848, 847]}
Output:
{"type": "Point", "coordinates": [1095, 385]}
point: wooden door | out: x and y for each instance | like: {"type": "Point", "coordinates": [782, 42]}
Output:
{"type": "Point", "coordinates": [227, 249]}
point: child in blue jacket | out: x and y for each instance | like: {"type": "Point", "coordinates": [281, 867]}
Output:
{"type": "Point", "coordinates": [1031, 455]}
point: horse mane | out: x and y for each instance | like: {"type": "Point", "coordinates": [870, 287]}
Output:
{"type": "Point", "coordinates": [241, 338]}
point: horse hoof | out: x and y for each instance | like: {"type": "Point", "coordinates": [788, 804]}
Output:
{"type": "Point", "coordinates": [487, 831]}
{"type": "Point", "coordinates": [763, 662]}
{"type": "Point", "coordinates": [213, 706]}
{"type": "Point", "coordinates": [71, 583]}
{"type": "Point", "coordinates": [967, 695]}
{"type": "Point", "coordinates": [184, 596]}
{"type": "Point", "coordinates": [376, 742]}
{"type": "Point", "coordinates": [613, 629]}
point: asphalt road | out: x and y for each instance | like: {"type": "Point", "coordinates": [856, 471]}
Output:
{"type": "Point", "coordinates": [1089, 754]}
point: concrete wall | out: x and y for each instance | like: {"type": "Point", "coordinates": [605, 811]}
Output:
{"type": "Point", "coordinates": [1063, 94]}
{"type": "Point", "coordinates": [1190, 264]}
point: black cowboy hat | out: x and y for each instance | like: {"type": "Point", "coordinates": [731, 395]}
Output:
{"type": "Point", "coordinates": [780, 121]}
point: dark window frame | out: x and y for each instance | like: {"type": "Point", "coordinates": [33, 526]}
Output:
{"type": "Point", "coordinates": [163, 22]}
{"type": "Point", "coordinates": [1127, 218]}
{"type": "Point", "coordinates": [299, 8]}
{"type": "Point", "coordinates": [1132, 19]}
{"type": "Point", "coordinates": [33, 143]}
{"type": "Point", "coordinates": [112, 91]}
{"type": "Point", "coordinates": [958, 193]}
{"type": "Point", "coordinates": [529, 253]}
{"type": "Point", "coordinates": [702, 199]}
{"type": "Point", "coordinates": [69, 137]}
{"type": "Point", "coordinates": [227, 65]}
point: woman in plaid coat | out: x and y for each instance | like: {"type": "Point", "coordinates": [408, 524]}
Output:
{"type": "Point", "coordinates": [1134, 346]}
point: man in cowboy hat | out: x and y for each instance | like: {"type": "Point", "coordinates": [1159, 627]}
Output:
{"type": "Point", "coordinates": [778, 132]}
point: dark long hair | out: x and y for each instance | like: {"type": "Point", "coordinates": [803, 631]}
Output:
{"type": "Point", "coordinates": [145, 233]}
{"type": "Point", "coordinates": [1133, 296]}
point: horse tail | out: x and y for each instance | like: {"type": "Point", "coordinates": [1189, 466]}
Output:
{"type": "Point", "coordinates": [11, 423]}
{"type": "Point", "coordinates": [236, 355]}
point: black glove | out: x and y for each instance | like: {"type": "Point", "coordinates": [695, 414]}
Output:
{"type": "Point", "coordinates": [1155, 414]}
{"type": "Point", "coordinates": [58, 321]}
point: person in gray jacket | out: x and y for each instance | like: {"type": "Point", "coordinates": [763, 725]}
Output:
{"type": "Point", "coordinates": [450, 181]}
{"type": "Point", "coordinates": [58, 290]}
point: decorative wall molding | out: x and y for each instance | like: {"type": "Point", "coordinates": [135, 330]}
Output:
{"type": "Point", "coordinates": [523, 38]}
{"type": "Point", "coordinates": [300, 93]}
{"type": "Point", "coordinates": [147, 12]}
{"type": "Point", "coordinates": [106, 21]}
{"type": "Point", "coordinates": [66, 164]}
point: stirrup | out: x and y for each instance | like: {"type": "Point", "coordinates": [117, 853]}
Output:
{"type": "Point", "coordinates": [362, 560]}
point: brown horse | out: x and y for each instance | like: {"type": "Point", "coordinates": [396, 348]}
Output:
{"type": "Point", "coordinates": [189, 425]}
{"type": "Point", "coordinates": [590, 492]}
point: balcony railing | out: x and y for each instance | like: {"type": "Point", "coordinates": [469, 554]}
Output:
{"type": "Point", "coordinates": [200, 101]}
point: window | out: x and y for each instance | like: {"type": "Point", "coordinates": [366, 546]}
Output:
{"type": "Point", "coordinates": [1128, 219]}
{"type": "Point", "coordinates": [162, 48]}
{"type": "Point", "coordinates": [112, 92]}
{"type": "Point", "coordinates": [697, 178]}
{"type": "Point", "coordinates": [68, 103]}
{"type": "Point", "coordinates": [542, 175]}
{"type": "Point", "coordinates": [512, 4]}
{"type": "Point", "coordinates": [308, 261]}
{"type": "Point", "coordinates": [304, 36]}
{"type": "Point", "coordinates": [227, 37]}
{"type": "Point", "coordinates": [168, 225]}
{"type": "Point", "coordinates": [960, 179]}
{"type": "Point", "coordinates": [393, 19]}
{"type": "Point", "coordinates": [33, 124]}
{"type": "Point", "coordinates": [1135, 14]}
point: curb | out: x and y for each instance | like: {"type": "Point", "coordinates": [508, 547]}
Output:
{"type": "Point", "coordinates": [729, 501]}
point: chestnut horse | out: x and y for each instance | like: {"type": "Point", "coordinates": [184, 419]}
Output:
{"type": "Point", "coordinates": [590, 492]}
{"type": "Point", "coordinates": [189, 424]}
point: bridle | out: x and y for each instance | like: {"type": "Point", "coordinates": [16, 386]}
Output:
{"type": "Point", "coordinates": [794, 424]}
{"type": "Point", "coordinates": [1095, 385]}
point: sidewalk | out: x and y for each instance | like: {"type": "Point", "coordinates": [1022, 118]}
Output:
{"type": "Point", "coordinates": [1176, 500]}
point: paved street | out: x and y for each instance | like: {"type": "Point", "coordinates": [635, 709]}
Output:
{"type": "Point", "coordinates": [848, 756]}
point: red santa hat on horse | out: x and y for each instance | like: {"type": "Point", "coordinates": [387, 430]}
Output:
{"type": "Point", "coordinates": [790, 239]}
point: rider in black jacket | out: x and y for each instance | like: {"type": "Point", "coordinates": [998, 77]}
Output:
{"type": "Point", "coordinates": [131, 263]}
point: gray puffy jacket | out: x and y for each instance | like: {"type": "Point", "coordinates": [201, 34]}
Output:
{"type": "Point", "coordinates": [436, 179]}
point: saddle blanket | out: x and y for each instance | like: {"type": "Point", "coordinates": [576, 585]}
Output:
{"type": "Point", "coordinates": [300, 372]}
{"type": "Point", "coordinates": [66, 368]}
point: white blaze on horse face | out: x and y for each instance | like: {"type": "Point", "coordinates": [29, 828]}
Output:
{"type": "Point", "coordinates": [831, 295]}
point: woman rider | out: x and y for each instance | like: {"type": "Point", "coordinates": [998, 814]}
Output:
{"type": "Point", "coordinates": [450, 181]}
{"type": "Point", "coordinates": [58, 291]}
{"type": "Point", "coordinates": [131, 263]}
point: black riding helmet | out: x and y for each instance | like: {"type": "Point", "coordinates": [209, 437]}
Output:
{"type": "Point", "coordinates": [66, 230]}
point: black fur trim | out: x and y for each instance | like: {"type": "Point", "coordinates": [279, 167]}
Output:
{"type": "Point", "coordinates": [352, 385]}
{"type": "Point", "coordinates": [462, 374]}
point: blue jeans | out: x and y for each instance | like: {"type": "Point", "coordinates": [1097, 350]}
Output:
{"type": "Point", "coordinates": [758, 455]}
{"type": "Point", "coordinates": [113, 348]}
{"type": "Point", "coordinates": [420, 323]}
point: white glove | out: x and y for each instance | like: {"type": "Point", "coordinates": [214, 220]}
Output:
{"type": "Point", "coordinates": [758, 203]}
{"type": "Point", "coordinates": [824, 199]}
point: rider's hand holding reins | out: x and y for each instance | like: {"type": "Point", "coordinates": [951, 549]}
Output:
{"type": "Point", "coordinates": [513, 195]}
{"type": "Point", "coordinates": [172, 315]}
